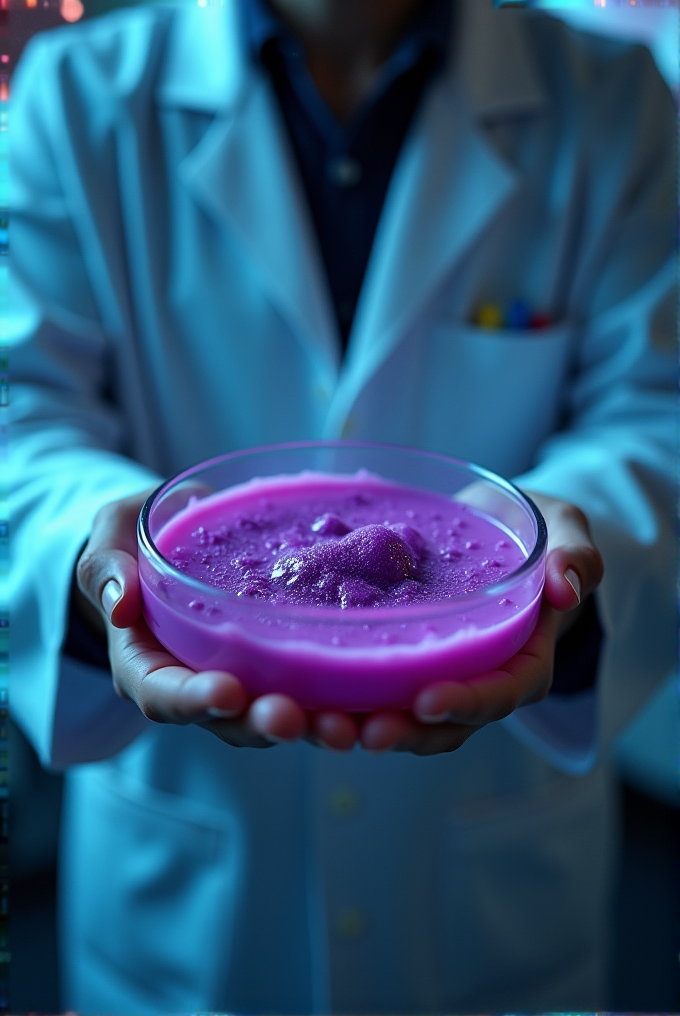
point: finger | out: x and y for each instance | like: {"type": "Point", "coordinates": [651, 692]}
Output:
{"type": "Point", "coordinates": [107, 569]}
{"type": "Point", "coordinates": [110, 581]}
{"type": "Point", "coordinates": [165, 690]}
{"type": "Point", "coordinates": [270, 720]}
{"type": "Point", "coordinates": [525, 678]}
{"type": "Point", "coordinates": [334, 730]}
{"type": "Point", "coordinates": [237, 734]}
{"type": "Point", "coordinates": [115, 525]}
{"type": "Point", "coordinates": [277, 718]}
{"type": "Point", "coordinates": [574, 566]}
{"type": "Point", "coordinates": [572, 572]}
{"type": "Point", "coordinates": [384, 731]}
{"type": "Point", "coordinates": [438, 740]}
{"type": "Point", "coordinates": [401, 732]}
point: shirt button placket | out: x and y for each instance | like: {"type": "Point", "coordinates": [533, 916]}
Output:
{"type": "Point", "coordinates": [349, 921]}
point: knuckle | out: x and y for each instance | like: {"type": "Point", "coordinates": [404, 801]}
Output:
{"type": "Point", "coordinates": [86, 570]}
{"type": "Point", "coordinates": [511, 701]}
{"type": "Point", "coordinates": [541, 692]}
{"type": "Point", "coordinates": [574, 514]}
{"type": "Point", "coordinates": [150, 711]}
{"type": "Point", "coordinates": [115, 514]}
{"type": "Point", "coordinates": [506, 708]}
{"type": "Point", "coordinates": [107, 514]}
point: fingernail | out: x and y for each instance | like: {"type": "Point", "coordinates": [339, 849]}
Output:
{"type": "Point", "coordinates": [433, 717]}
{"type": "Point", "coordinates": [425, 710]}
{"type": "Point", "coordinates": [574, 581]}
{"type": "Point", "coordinates": [111, 594]}
{"type": "Point", "coordinates": [221, 714]}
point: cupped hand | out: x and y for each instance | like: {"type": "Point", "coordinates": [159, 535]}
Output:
{"type": "Point", "coordinates": [163, 688]}
{"type": "Point", "coordinates": [444, 715]}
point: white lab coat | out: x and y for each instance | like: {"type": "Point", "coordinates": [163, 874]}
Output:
{"type": "Point", "coordinates": [173, 307]}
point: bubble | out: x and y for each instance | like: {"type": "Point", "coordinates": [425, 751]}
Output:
{"type": "Point", "coordinates": [330, 525]}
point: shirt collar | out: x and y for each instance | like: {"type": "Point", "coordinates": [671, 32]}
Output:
{"type": "Point", "coordinates": [430, 32]}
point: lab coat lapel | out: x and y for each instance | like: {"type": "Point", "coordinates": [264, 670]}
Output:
{"type": "Point", "coordinates": [447, 188]}
{"type": "Point", "coordinates": [449, 184]}
{"type": "Point", "coordinates": [243, 174]}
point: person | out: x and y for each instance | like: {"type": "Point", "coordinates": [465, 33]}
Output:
{"type": "Point", "coordinates": [255, 223]}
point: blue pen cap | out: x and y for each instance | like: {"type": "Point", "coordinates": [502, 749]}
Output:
{"type": "Point", "coordinates": [518, 315]}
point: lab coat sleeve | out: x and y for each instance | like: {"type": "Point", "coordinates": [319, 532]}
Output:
{"type": "Point", "coordinates": [65, 437]}
{"type": "Point", "coordinates": [616, 455]}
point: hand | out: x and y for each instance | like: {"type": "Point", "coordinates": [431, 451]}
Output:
{"type": "Point", "coordinates": [444, 715]}
{"type": "Point", "coordinates": [164, 689]}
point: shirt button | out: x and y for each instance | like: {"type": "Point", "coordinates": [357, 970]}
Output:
{"type": "Point", "coordinates": [349, 925]}
{"type": "Point", "coordinates": [345, 801]}
{"type": "Point", "coordinates": [344, 171]}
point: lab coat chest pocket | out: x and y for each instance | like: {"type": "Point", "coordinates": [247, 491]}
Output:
{"type": "Point", "coordinates": [152, 908]}
{"type": "Point", "coordinates": [493, 395]}
{"type": "Point", "coordinates": [528, 871]}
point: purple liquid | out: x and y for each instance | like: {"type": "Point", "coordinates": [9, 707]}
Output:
{"type": "Point", "coordinates": [316, 542]}
{"type": "Point", "coordinates": [342, 591]}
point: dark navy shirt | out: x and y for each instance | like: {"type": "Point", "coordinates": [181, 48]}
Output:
{"type": "Point", "coordinates": [346, 167]}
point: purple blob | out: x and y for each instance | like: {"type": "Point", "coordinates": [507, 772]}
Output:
{"type": "Point", "coordinates": [357, 593]}
{"type": "Point", "coordinates": [330, 525]}
{"type": "Point", "coordinates": [304, 566]}
{"type": "Point", "coordinates": [412, 538]}
{"type": "Point", "coordinates": [341, 547]}
{"type": "Point", "coordinates": [378, 555]}
{"type": "Point", "coordinates": [351, 571]}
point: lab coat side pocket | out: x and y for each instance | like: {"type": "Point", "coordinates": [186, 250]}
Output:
{"type": "Point", "coordinates": [148, 894]}
{"type": "Point", "coordinates": [527, 896]}
{"type": "Point", "coordinates": [494, 394]}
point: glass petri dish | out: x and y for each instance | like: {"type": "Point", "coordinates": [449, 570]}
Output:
{"type": "Point", "coordinates": [360, 658]}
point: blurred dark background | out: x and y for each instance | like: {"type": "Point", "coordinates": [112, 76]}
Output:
{"type": "Point", "coordinates": [645, 964]}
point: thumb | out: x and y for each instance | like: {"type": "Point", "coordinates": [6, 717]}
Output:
{"type": "Point", "coordinates": [106, 572]}
{"type": "Point", "coordinates": [109, 580]}
{"type": "Point", "coordinates": [574, 566]}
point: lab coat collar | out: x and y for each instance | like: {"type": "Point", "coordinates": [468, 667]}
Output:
{"type": "Point", "coordinates": [243, 173]}
{"type": "Point", "coordinates": [493, 62]}
{"type": "Point", "coordinates": [206, 66]}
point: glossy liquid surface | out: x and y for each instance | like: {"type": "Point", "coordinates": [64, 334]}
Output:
{"type": "Point", "coordinates": [315, 540]}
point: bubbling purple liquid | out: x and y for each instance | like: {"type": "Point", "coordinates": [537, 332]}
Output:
{"type": "Point", "coordinates": [317, 540]}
